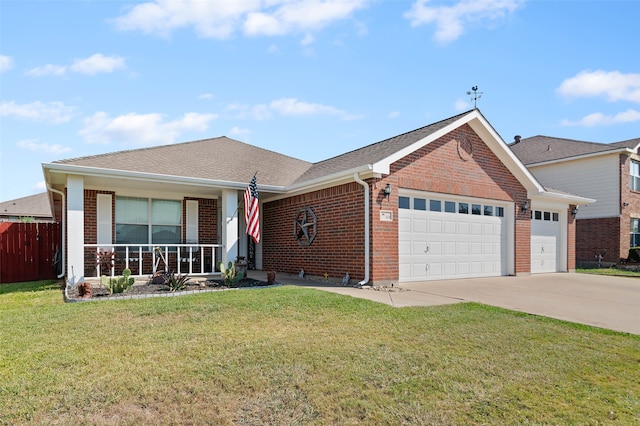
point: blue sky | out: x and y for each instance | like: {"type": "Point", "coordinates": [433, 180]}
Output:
{"type": "Point", "coordinates": [310, 79]}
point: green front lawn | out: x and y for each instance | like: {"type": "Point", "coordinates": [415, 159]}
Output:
{"type": "Point", "coordinates": [609, 271]}
{"type": "Point", "coordinates": [290, 355]}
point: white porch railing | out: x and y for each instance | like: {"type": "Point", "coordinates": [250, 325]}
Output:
{"type": "Point", "coordinates": [147, 259]}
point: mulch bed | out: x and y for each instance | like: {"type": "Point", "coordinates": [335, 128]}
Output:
{"type": "Point", "coordinates": [100, 292]}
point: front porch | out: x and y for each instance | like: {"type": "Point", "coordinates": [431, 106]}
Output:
{"type": "Point", "coordinates": [146, 260]}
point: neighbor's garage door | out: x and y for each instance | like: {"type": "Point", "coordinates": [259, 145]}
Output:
{"type": "Point", "coordinates": [441, 239]}
{"type": "Point", "coordinates": [545, 241]}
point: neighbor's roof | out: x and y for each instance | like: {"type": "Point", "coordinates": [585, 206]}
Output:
{"type": "Point", "coordinates": [219, 158]}
{"type": "Point", "coordinates": [540, 149]}
{"type": "Point", "coordinates": [373, 153]}
{"type": "Point", "coordinates": [36, 206]}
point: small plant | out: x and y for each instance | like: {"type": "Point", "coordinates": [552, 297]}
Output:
{"type": "Point", "coordinates": [229, 274]}
{"type": "Point", "coordinates": [176, 283]}
{"type": "Point", "coordinates": [118, 285]}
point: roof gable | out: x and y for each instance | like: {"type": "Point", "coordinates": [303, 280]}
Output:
{"type": "Point", "coordinates": [374, 153]}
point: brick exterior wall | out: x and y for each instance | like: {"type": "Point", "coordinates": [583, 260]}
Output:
{"type": "Point", "coordinates": [439, 168]}
{"type": "Point", "coordinates": [594, 236]}
{"type": "Point", "coordinates": [338, 247]}
{"type": "Point", "coordinates": [339, 244]}
{"type": "Point", "coordinates": [571, 240]}
{"type": "Point", "coordinates": [207, 220]}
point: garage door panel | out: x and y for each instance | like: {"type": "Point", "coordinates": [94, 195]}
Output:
{"type": "Point", "coordinates": [449, 227]}
{"type": "Point", "coordinates": [450, 269]}
{"type": "Point", "coordinates": [419, 225]}
{"type": "Point", "coordinates": [450, 248]}
{"type": "Point", "coordinates": [435, 248]}
{"type": "Point", "coordinates": [450, 245]}
{"type": "Point", "coordinates": [463, 247]}
{"type": "Point", "coordinates": [404, 248]}
{"type": "Point", "coordinates": [464, 228]}
{"type": "Point", "coordinates": [545, 237]}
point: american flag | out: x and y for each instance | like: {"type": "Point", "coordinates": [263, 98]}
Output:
{"type": "Point", "coordinates": [251, 212]}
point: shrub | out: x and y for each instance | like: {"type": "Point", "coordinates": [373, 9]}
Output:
{"type": "Point", "coordinates": [118, 284]}
{"type": "Point", "coordinates": [229, 274]}
{"type": "Point", "coordinates": [176, 283]}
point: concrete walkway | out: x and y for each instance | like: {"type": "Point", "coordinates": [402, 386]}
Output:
{"type": "Point", "coordinates": [596, 300]}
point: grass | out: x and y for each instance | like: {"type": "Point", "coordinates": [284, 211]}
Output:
{"type": "Point", "coordinates": [609, 271]}
{"type": "Point", "coordinates": [290, 355]}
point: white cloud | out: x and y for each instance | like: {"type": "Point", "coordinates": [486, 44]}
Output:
{"type": "Point", "coordinates": [450, 20]}
{"type": "Point", "coordinates": [141, 129]}
{"type": "Point", "coordinates": [206, 96]}
{"type": "Point", "coordinates": [6, 63]}
{"type": "Point", "coordinates": [52, 112]}
{"type": "Point", "coordinates": [612, 85]}
{"type": "Point", "coordinates": [34, 145]}
{"type": "Point", "coordinates": [48, 69]}
{"type": "Point", "coordinates": [273, 49]}
{"type": "Point", "coordinates": [307, 40]}
{"type": "Point", "coordinates": [97, 63]}
{"type": "Point", "coordinates": [394, 114]}
{"type": "Point", "coordinates": [40, 187]}
{"type": "Point", "coordinates": [237, 131]}
{"type": "Point", "coordinates": [295, 108]}
{"type": "Point", "coordinates": [289, 107]}
{"type": "Point", "coordinates": [461, 105]}
{"type": "Point", "coordinates": [600, 119]}
{"type": "Point", "coordinates": [92, 65]}
{"type": "Point", "coordinates": [220, 19]}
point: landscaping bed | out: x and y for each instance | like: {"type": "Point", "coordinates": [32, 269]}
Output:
{"type": "Point", "coordinates": [152, 289]}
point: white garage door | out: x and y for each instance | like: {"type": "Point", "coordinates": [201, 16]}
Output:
{"type": "Point", "coordinates": [545, 241]}
{"type": "Point", "coordinates": [442, 239]}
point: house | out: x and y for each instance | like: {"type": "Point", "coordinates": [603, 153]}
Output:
{"type": "Point", "coordinates": [608, 173]}
{"type": "Point", "coordinates": [449, 200]}
{"type": "Point", "coordinates": [34, 207]}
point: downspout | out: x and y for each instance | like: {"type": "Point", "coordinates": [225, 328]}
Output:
{"type": "Point", "coordinates": [64, 233]}
{"type": "Point", "coordinates": [367, 262]}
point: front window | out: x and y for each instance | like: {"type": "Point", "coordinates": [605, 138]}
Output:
{"type": "Point", "coordinates": [148, 221]}
{"type": "Point", "coordinates": [634, 176]}
{"type": "Point", "coordinates": [635, 232]}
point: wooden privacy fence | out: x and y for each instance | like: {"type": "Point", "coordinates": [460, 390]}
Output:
{"type": "Point", "coordinates": [27, 251]}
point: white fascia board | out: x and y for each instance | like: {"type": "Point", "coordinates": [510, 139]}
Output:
{"type": "Point", "coordinates": [150, 177]}
{"type": "Point", "coordinates": [489, 137]}
{"type": "Point", "coordinates": [501, 150]}
{"type": "Point", "coordinates": [384, 166]}
{"type": "Point", "coordinates": [583, 156]}
{"type": "Point", "coordinates": [561, 198]}
{"type": "Point", "coordinates": [328, 181]}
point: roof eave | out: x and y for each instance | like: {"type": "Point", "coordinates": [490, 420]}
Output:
{"type": "Point", "coordinates": [568, 198]}
{"type": "Point", "coordinates": [582, 156]}
{"type": "Point", "coordinates": [150, 177]}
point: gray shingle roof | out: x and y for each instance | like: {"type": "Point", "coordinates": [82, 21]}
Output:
{"type": "Point", "coordinates": [372, 153]}
{"type": "Point", "coordinates": [33, 205]}
{"type": "Point", "coordinates": [538, 149]}
{"type": "Point", "coordinates": [219, 158]}
{"type": "Point", "coordinates": [229, 160]}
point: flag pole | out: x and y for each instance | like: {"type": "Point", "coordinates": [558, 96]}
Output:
{"type": "Point", "coordinates": [240, 202]}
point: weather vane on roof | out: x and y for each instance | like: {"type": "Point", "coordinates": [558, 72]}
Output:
{"type": "Point", "coordinates": [475, 95]}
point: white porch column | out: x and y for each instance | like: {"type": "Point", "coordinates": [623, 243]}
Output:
{"type": "Point", "coordinates": [75, 230]}
{"type": "Point", "coordinates": [229, 201]}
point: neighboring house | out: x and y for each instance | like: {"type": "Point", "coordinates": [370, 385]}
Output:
{"type": "Point", "coordinates": [608, 173]}
{"type": "Point", "coordinates": [449, 200]}
{"type": "Point", "coordinates": [31, 208]}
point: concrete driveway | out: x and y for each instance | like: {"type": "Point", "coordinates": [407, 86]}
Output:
{"type": "Point", "coordinates": [596, 300]}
